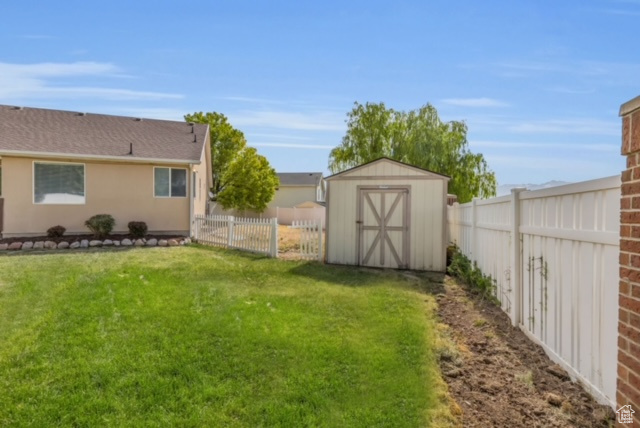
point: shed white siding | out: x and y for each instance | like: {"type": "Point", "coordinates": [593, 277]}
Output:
{"type": "Point", "coordinates": [426, 216]}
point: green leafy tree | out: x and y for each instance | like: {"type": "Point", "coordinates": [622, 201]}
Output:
{"type": "Point", "coordinates": [250, 182]}
{"type": "Point", "coordinates": [242, 179]}
{"type": "Point", "coordinates": [418, 137]}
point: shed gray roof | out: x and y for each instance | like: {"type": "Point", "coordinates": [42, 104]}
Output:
{"type": "Point", "coordinates": [35, 131]}
{"type": "Point", "coordinates": [299, 178]}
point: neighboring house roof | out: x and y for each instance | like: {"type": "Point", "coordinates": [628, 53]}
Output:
{"type": "Point", "coordinates": [54, 133]}
{"type": "Point", "coordinates": [299, 178]}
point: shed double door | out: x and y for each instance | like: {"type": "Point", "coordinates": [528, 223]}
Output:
{"type": "Point", "coordinates": [383, 227]}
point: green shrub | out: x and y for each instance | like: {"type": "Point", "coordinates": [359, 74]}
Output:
{"type": "Point", "coordinates": [56, 231]}
{"type": "Point", "coordinates": [137, 228]}
{"type": "Point", "coordinates": [469, 273]}
{"type": "Point", "coordinates": [100, 225]}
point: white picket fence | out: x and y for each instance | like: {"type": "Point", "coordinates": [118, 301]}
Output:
{"type": "Point", "coordinates": [554, 256]}
{"type": "Point", "coordinates": [311, 244]}
{"type": "Point", "coordinates": [247, 234]}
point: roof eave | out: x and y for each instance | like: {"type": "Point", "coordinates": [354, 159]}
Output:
{"type": "Point", "coordinates": [125, 158]}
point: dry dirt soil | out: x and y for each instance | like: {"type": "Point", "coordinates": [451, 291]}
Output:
{"type": "Point", "coordinates": [499, 378]}
{"type": "Point", "coordinates": [289, 243]}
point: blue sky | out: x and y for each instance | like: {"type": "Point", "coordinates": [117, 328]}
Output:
{"type": "Point", "coordinates": [539, 83]}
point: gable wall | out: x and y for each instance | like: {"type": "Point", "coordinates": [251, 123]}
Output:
{"type": "Point", "coordinates": [290, 196]}
{"type": "Point", "coordinates": [385, 168]}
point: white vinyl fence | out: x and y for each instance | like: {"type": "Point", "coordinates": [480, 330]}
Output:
{"type": "Point", "coordinates": [288, 216]}
{"type": "Point", "coordinates": [248, 234]}
{"type": "Point", "coordinates": [311, 245]}
{"type": "Point", "coordinates": [554, 256]}
{"type": "Point", "coordinates": [285, 215]}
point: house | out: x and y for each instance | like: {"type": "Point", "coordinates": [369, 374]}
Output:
{"type": "Point", "coordinates": [300, 196]}
{"type": "Point", "coordinates": [299, 189]}
{"type": "Point", "coordinates": [62, 167]}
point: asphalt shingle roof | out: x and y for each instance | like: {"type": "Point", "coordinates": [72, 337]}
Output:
{"type": "Point", "coordinates": [299, 178]}
{"type": "Point", "coordinates": [41, 131]}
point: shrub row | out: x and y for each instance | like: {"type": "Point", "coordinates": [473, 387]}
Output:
{"type": "Point", "coordinates": [102, 225]}
{"type": "Point", "coordinates": [469, 273]}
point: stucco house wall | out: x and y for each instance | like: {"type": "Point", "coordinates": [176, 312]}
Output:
{"type": "Point", "coordinates": [108, 190]}
{"type": "Point", "coordinates": [290, 196]}
{"type": "Point", "coordinates": [119, 156]}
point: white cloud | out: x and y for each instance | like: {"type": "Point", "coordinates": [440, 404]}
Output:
{"type": "Point", "coordinates": [567, 126]}
{"type": "Point", "coordinates": [147, 113]}
{"type": "Point", "coordinates": [309, 121]}
{"type": "Point", "coordinates": [35, 37]}
{"type": "Point", "coordinates": [48, 69]}
{"type": "Point", "coordinates": [276, 136]}
{"type": "Point", "coordinates": [572, 91]}
{"type": "Point", "coordinates": [616, 71]}
{"type": "Point", "coordinates": [475, 102]}
{"type": "Point", "coordinates": [19, 81]}
{"type": "Point", "coordinates": [534, 169]}
{"type": "Point", "coordinates": [607, 148]}
{"type": "Point", "coordinates": [622, 12]}
{"type": "Point", "coordinates": [252, 100]}
{"type": "Point", "coordinates": [294, 146]}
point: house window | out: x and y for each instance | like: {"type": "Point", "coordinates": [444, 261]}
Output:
{"type": "Point", "coordinates": [169, 182]}
{"type": "Point", "coordinates": [58, 183]}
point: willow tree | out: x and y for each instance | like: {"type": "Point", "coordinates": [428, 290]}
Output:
{"type": "Point", "coordinates": [242, 179]}
{"type": "Point", "coordinates": [417, 137]}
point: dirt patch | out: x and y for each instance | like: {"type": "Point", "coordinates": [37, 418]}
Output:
{"type": "Point", "coordinates": [289, 243]}
{"type": "Point", "coordinates": [500, 378]}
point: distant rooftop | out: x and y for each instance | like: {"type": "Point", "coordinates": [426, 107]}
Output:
{"type": "Point", "coordinates": [299, 178]}
{"type": "Point", "coordinates": [34, 131]}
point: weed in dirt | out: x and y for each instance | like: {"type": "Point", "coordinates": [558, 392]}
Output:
{"type": "Point", "coordinates": [445, 347]}
{"type": "Point", "coordinates": [480, 322]}
{"type": "Point", "coordinates": [567, 407]}
{"type": "Point", "coordinates": [489, 335]}
{"type": "Point", "coordinates": [462, 268]}
{"type": "Point", "coordinates": [526, 378]}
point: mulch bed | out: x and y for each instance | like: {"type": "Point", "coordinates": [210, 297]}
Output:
{"type": "Point", "coordinates": [503, 379]}
{"type": "Point", "coordinates": [77, 238]}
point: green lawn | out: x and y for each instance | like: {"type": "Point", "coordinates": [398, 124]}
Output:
{"type": "Point", "coordinates": [196, 336]}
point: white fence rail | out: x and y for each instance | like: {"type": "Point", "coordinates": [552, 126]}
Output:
{"type": "Point", "coordinates": [311, 245]}
{"type": "Point", "coordinates": [554, 256]}
{"type": "Point", "coordinates": [248, 234]}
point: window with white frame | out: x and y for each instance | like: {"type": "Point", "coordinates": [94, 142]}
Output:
{"type": "Point", "coordinates": [58, 183]}
{"type": "Point", "coordinates": [169, 182]}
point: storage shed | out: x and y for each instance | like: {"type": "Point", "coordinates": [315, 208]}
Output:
{"type": "Point", "coordinates": [387, 214]}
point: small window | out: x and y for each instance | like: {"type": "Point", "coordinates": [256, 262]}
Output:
{"type": "Point", "coordinates": [169, 182]}
{"type": "Point", "coordinates": [58, 183]}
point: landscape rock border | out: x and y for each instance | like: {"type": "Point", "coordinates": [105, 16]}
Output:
{"type": "Point", "coordinates": [34, 245]}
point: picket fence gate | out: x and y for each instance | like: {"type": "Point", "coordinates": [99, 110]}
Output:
{"type": "Point", "coordinates": [553, 254]}
{"type": "Point", "coordinates": [311, 245]}
{"type": "Point", "coordinates": [247, 234]}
